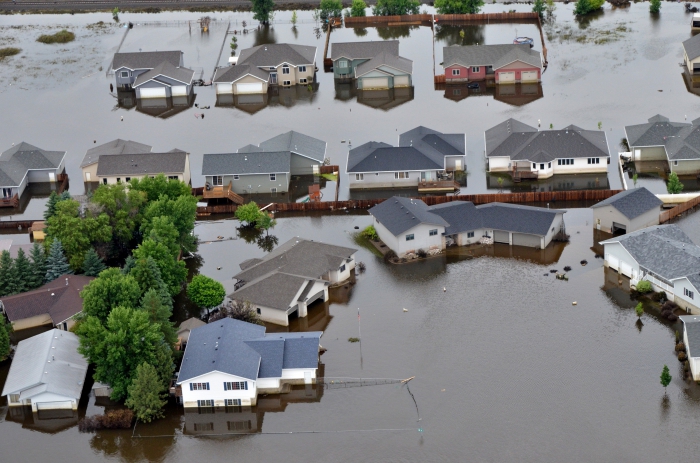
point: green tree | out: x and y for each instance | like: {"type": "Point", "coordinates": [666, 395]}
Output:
{"type": "Point", "coordinates": [172, 271]}
{"type": "Point", "coordinates": [639, 309]}
{"type": "Point", "coordinates": [146, 394]}
{"type": "Point", "coordinates": [248, 214]}
{"type": "Point", "coordinates": [56, 263]}
{"type": "Point", "coordinates": [92, 264]}
{"type": "Point", "coordinates": [122, 206]}
{"type": "Point", "coordinates": [396, 7]}
{"type": "Point", "coordinates": [205, 292]}
{"type": "Point", "coordinates": [265, 222]}
{"type": "Point", "coordinates": [331, 8]}
{"type": "Point", "coordinates": [551, 7]}
{"type": "Point", "coordinates": [674, 185]}
{"type": "Point", "coordinates": [665, 377]}
{"type": "Point", "coordinates": [294, 18]}
{"type": "Point", "coordinates": [7, 274]}
{"type": "Point", "coordinates": [159, 313]}
{"type": "Point", "coordinates": [38, 256]}
{"type": "Point", "coordinates": [262, 10]}
{"type": "Point", "coordinates": [654, 6]}
{"type": "Point", "coordinates": [110, 289]}
{"type": "Point", "coordinates": [5, 330]}
{"type": "Point", "coordinates": [539, 7]}
{"type": "Point", "coordinates": [459, 6]}
{"type": "Point", "coordinates": [51, 206]}
{"type": "Point", "coordinates": [147, 275]}
{"type": "Point", "coordinates": [116, 348]}
{"type": "Point", "coordinates": [634, 179]}
{"type": "Point", "coordinates": [22, 272]}
{"type": "Point", "coordinates": [181, 210]}
{"type": "Point", "coordinates": [161, 185]}
{"type": "Point", "coordinates": [358, 8]}
{"type": "Point", "coordinates": [584, 7]}
{"type": "Point", "coordinates": [644, 286]}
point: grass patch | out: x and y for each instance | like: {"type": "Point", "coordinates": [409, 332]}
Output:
{"type": "Point", "coordinates": [363, 241]}
{"type": "Point", "coordinates": [331, 177]}
{"type": "Point", "coordinates": [63, 36]}
{"type": "Point", "coordinates": [353, 339]}
{"type": "Point", "coordinates": [9, 51]}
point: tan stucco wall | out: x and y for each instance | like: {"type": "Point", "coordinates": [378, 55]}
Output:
{"type": "Point", "coordinates": [92, 170]}
{"type": "Point", "coordinates": [31, 322]}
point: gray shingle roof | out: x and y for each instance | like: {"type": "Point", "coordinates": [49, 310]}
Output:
{"type": "Point", "coordinates": [242, 349]}
{"type": "Point", "coordinates": [663, 249]}
{"type": "Point", "coordinates": [632, 203]}
{"type": "Point", "coordinates": [172, 162]}
{"type": "Point", "coordinates": [47, 362]}
{"type": "Point", "coordinates": [278, 53]}
{"type": "Point", "coordinates": [117, 146]}
{"type": "Point", "coordinates": [460, 215]}
{"type": "Point", "coordinates": [275, 290]}
{"type": "Point", "coordinates": [385, 59]}
{"type": "Point", "coordinates": [434, 144]}
{"type": "Point", "coordinates": [399, 215]}
{"type": "Point", "coordinates": [18, 160]}
{"type": "Point", "coordinates": [509, 140]}
{"type": "Point", "coordinates": [297, 143]}
{"type": "Point", "coordinates": [490, 55]}
{"type": "Point", "coordinates": [145, 59]}
{"type": "Point", "coordinates": [691, 323]}
{"type": "Point", "coordinates": [246, 163]}
{"type": "Point", "coordinates": [233, 73]}
{"type": "Point", "coordinates": [363, 50]}
{"type": "Point", "coordinates": [692, 47]}
{"type": "Point", "coordinates": [165, 69]}
{"type": "Point", "coordinates": [517, 218]}
{"type": "Point", "coordinates": [681, 140]}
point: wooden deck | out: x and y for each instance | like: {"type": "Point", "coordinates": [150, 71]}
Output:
{"type": "Point", "coordinates": [10, 202]}
{"type": "Point", "coordinates": [217, 192]}
{"type": "Point", "coordinates": [441, 185]}
{"type": "Point", "coordinates": [520, 175]}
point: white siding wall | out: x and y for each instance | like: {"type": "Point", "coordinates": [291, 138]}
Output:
{"type": "Point", "coordinates": [608, 214]}
{"type": "Point", "coordinates": [385, 180]}
{"type": "Point", "coordinates": [49, 400]}
{"type": "Point", "coordinates": [617, 257]}
{"type": "Point", "coordinates": [684, 301]}
{"type": "Point", "coordinates": [385, 235]}
{"type": "Point", "coordinates": [276, 316]}
{"type": "Point", "coordinates": [291, 374]}
{"type": "Point", "coordinates": [553, 230]}
{"type": "Point", "coordinates": [463, 240]}
{"type": "Point", "coordinates": [580, 166]}
{"type": "Point", "coordinates": [336, 276]}
{"type": "Point", "coordinates": [499, 164]}
{"type": "Point", "coordinates": [113, 179]}
{"type": "Point", "coordinates": [421, 240]}
{"type": "Point", "coordinates": [216, 390]}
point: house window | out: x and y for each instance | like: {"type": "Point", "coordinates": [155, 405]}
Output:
{"type": "Point", "coordinates": [217, 180]}
{"type": "Point", "coordinates": [258, 311]}
{"type": "Point", "coordinates": [273, 190]}
{"type": "Point", "coordinates": [302, 81]}
{"type": "Point", "coordinates": [302, 68]}
{"type": "Point", "coordinates": [359, 177]}
{"type": "Point", "coordinates": [239, 425]}
{"type": "Point", "coordinates": [410, 237]}
{"type": "Point", "coordinates": [104, 180]}
{"type": "Point", "coordinates": [119, 180]}
{"type": "Point", "coordinates": [128, 179]}
{"type": "Point", "coordinates": [534, 166]}
{"type": "Point", "coordinates": [285, 69]}
{"type": "Point", "coordinates": [400, 174]}
{"type": "Point", "coordinates": [342, 268]}
{"type": "Point", "coordinates": [432, 232]}
{"type": "Point", "coordinates": [455, 72]}
{"type": "Point", "coordinates": [549, 166]}
{"type": "Point", "coordinates": [236, 386]}
{"type": "Point", "coordinates": [470, 234]}
{"type": "Point", "coordinates": [342, 63]}
{"type": "Point", "coordinates": [688, 293]}
{"type": "Point", "coordinates": [675, 163]}
{"type": "Point", "coordinates": [457, 91]}
{"type": "Point", "coordinates": [205, 403]}
{"type": "Point", "coordinates": [125, 73]}
{"type": "Point", "coordinates": [273, 177]}
{"type": "Point", "coordinates": [204, 426]}
{"type": "Point", "coordinates": [475, 68]}
{"type": "Point", "coordinates": [172, 177]}
{"type": "Point", "coordinates": [286, 82]}
{"type": "Point", "coordinates": [199, 386]}
{"type": "Point", "coordinates": [565, 162]}
{"type": "Point", "coordinates": [541, 166]}
{"type": "Point", "coordinates": [594, 160]}
{"type": "Point", "coordinates": [14, 398]}
{"type": "Point", "coordinates": [236, 177]}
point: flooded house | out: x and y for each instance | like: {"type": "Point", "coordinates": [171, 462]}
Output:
{"type": "Point", "coordinates": [504, 64]}
{"type": "Point", "coordinates": [54, 303]}
{"type": "Point", "coordinates": [288, 280]}
{"type": "Point", "coordinates": [118, 146]}
{"type": "Point", "coordinates": [662, 255]}
{"type": "Point", "coordinates": [424, 158]}
{"type": "Point", "coordinates": [372, 65]}
{"type": "Point", "coordinates": [47, 372]}
{"type": "Point", "coordinates": [408, 225]}
{"type": "Point", "coordinates": [260, 67]}
{"type": "Point", "coordinates": [627, 211]}
{"type": "Point", "coordinates": [691, 339]}
{"type": "Point", "coordinates": [184, 330]}
{"type": "Point", "coordinates": [154, 74]}
{"type": "Point", "coordinates": [25, 164]}
{"type": "Point", "coordinates": [526, 153]}
{"type": "Point", "coordinates": [659, 139]}
{"type": "Point", "coordinates": [117, 168]}
{"type": "Point", "coordinates": [227, 363]}
{"type": "Point", "coordinates": [691, 52]}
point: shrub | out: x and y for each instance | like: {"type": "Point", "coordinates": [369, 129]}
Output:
{"type": "Point", "coordinates": [644, 287]}
{"type": "Point", "coordinates": [353, 339]}
{"type": "Point", "coordinates": [669, 306]}
{"type": "Point", "coordinates": [422, 253]}
{"type": "Point", "coordinates": [654, 6]}
{"type": "Point", "coordinates": [674, 185]}
{"type": "Point", "coordinates": [658, 297]}
{"type": "Point", "coordinates": [63, 36]}
{"type": "Point", "coordinates": [584, 7]}
{"type": "Point", "coordinates": [370, 233]}
{"type": "Point", "coordinates": [9, 51]}
{"type": "Point", "coordinates": [672, 317]}
{"type": "Point", "coordinates": [357, 8]}
{"type": "Point", "coordinates": [361, 267]}
{"type": "Point", "coordinates": [389, 256]}
{"type": "Point", "coordinates": [682, 356]}
{"type": "Point", "coordinates": [680, 347]}
{"type": "Point", "coordinates": [113, 419]}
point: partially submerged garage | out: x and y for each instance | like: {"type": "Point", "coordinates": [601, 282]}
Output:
{"type": "Point", "coordinates": [627, 211]}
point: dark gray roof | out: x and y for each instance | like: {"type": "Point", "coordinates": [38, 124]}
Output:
{"type": "Point", "coordinates": [246, 163]}
{"type": "Point", "coordinates": [278, 53]}
{"type": "Point", "coordinates": [632, 203]}
{"type": "Point", "coordinates": [310, 259]}
{"type": "Point", "coordinates": [460, 215]}
{"type": "Point", "coordinates": [399, 215]}
{"type": "Point", "coordinates": [23, 157]}
{"type": "Point", "coordinates": [692, 47]}
{"type": "Point", "coordinates": [145, 59]}
{"type": "Point", "coordinates": [490, 55]}
{"type": "Point", "coordinates": [434, 144]}
{"type": "Point", "coordinates": [663, 249]}
{"type": "Point", "coordinates": [275, 290]}
{"type": "Point", "coordinates": [245, 350]}
{"type": "Point", "coordinates": [521, 143]}
{"type": "Point", "coordinates": [233, 73]}
{"type": "Point", "coordinates": [385, 59]}
{"type": "Point", "coordinates": [691, 323]}
{"type": "Point", "coordinates": [517, 218]}
{"type": "Point", "coordinates": [681, 140]}
{"type": "Point", "coordinates": [363, 50]}
{"type": "Point", "coordinates": [165, 69]}
{"type": "Point", "coordinates": [297, 143]}
{"type": "Point", "coordinates": [117, 146]}
{"type": "Point", "coordinates": [172, 162]}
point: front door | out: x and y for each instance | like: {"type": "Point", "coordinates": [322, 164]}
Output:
{"type": "Point", "coordinates": [426, 176]}
{"type": "Point", "coordinates": [7, 192]}
{"type": "Point", "coordinates": [273, 78]}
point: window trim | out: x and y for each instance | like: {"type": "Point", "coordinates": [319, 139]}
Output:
{"type": "Point", "coordinates": [302, 68]}
{"type": "Point", "coordinates": [433, 232]}
{"type": "Point", "coordinates": [342, 268]}
{"type": "Point", "coordinates": [285, 69]}
{"type": "Point", "coordinates": [199, 386]}
{"type": "Point", "coordinates": [236, 177]}
{"type": "Point", "coordinates": [342, 63]}
{"type": "Point", "coordinates": [235, 385]}
{"type": "Point", "coordinates": [476, 68]}
{"type": "Point", "coordinates": [410, 237]}
{"type": "Point", "coordinates": [273, 177]}
{"type": "Point", "coordinates": [217, 180]}
{"type": "Point", "coordinates": [205, 403]}
{"type": "Point", "coordinates": [286, 82]}
{"type": "Point", "coordinates": [455, 72]}
{"type": "Point", "coordinates": [470, 234]}
{"type": "Point", "coordinates": [359, 177]}
{"type": "Point", "coordinates": [122, 74]}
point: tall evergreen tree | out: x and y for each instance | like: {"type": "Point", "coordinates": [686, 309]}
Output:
{"type": "Point", "coordinates": [147, 274]}
{"type": "Point", "coordinates": [38, 266]}
{"type": "Point", "coordinates": [5, 329]}
{"type": "Point", "coordinates": [159, 313]}
{"type": "Point", "coordinates": [56, 263]}
{"type": "Point", "coordinates": [146, 394]}
{"type": "Point", "coordinates": [92, 265]}
{"type": "Point", "coordinates": [23, 272]}
{"type": "Point", "coordinates": [7, 278]}
{"type": "Point", "coordinates": [51, 206]}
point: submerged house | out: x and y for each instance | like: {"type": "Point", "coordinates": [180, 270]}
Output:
{"type": "Point", "coordinates": [24, 164]}
{"type": "Point", "coordinates": [664, 256]}
{"type": "Point", "coordinates": [117, 168]}
{"type": "Point", "coordinates": [407, 225]}
{"type": "Point", "coordinates": [259, 67]}
{"type": "Point", "coordinates": [289, 279]}
{"type": "Point", "coordinates": [154, 74]}
{"type": "Point", "coordinates": [691, 339]}
{"type": "Point", "coordinates": [118, 146]}
{"type": "Point", "coordinates": [373, 65]}
{"type": "Point", "coordinates": [691, 50]}
{"type": "Point", "coordinates": [422, 159]}
{"type": "Point", "coordinates": [627, 211]}
{"type": "Point", "coordinates": [527, 153]}
{"type": "Point", "coordinates": [505, 64]}
{"type": "Point", "coordinates": [227, 363]}
{"type": "Point", "coordinates": [662, 140]}
{"type": "Point", "coordinates": [47, 372]}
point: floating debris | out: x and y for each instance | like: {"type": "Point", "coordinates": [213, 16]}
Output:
{"type": "Point", "coordinates": [555, 270]}
{"type": "Point", "coordinates": [574, 303]}
{"type": "Point", "coordinates": [562, 276]}
{"type": "Point", "coordinates": [405, 309]}
{"type": "Point", "coordinates": [567, 269]}
{"type": "Point", "coordinates": [584, 262]}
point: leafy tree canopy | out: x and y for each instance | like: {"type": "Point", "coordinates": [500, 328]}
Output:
{"type": "Point", "coordinates": [331, 8]}
{"type": "Point", "coordinates": [56, 263]}
{"type": "Point", "coordinates": [172, 271]}
{"type": "Point", "coordinates": [110, 289]}
{"type": "Point", "coordinates": [122, 205]}
{"type": "Point", "coordinates": [92, 264]}
{"type": "Point", "coordinates": [146, 394]}
{"type": "Point", "coordinates": [205, 292]}
{"type": "Point", "coordinates": [160, 185]}
{"type": "Point", "coordinates": [395, 7]}
{"type": "Point", "coordinates": [358, 8]}
{"type": "Point", "coordinates": [262, 10]}
{"type": "Point", "coordinates": [459, 6]}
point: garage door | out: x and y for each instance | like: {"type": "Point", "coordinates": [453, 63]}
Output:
{"type": "Point", "coordinates": [522, 239]}
{"type": "Point", "coordinates": [506, 77]}
{"type": "Point", "coordinates": [626, 269]}
{"type": "Point", "coordinates": [179, 90]}
{"type": "Point", "coordinates": [63, 405]}
{"type": "Point", "coordinates": [401, 81]}
{"type": "Point", "coordinates": [153, 92]}
{"type": "Point", "coordinates": [313, 298]}
{"type": "Point", "coordinates": [528, 76]}
{"type": "Point", "coordinates": [612, 261]}
{"type": "Point", "coordinates": [501, 237]}
{"type": "Point", "coordinates": [619, 227]}
{"type": "Point", "coordinates": [224, 88]}
{"type": "Point", "coordinates": [375, 82]}
{"type": "Point", "coordinates": [256, 87]}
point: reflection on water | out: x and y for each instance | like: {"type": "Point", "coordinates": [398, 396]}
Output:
{"type": "Point", "coordinates": [465, 34]}
{"type": "Point", "coordinates": [264, 35]}
{"type": "Point", "coordinates": [36, 193]}
{"type": "Point", "coordinates": [46, 421]}
{"type": "Point", "coordinates": [276, 96]}
{"type": "Point", "coordinates": [395, 32]}
{"type": "Point", "coordinates": [162, 108]}
{"type": "Point", "coordinates": [554, 183]}
{"type": "Point", "coordinates": [379, 99]}
{"type": "Point", "coordinates": [512, 94]}
{"type": "Point", "coordinates": [547, 256]}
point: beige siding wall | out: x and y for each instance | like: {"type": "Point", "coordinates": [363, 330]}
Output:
{"type": "Point", "coordinates": [652, 153]}
{"type": "Point", "coordinates": [603, 217]}
{"type": "Point", "coordinates": [92, 170]}
{"type": "Point", "coordinates": [685, 167]}
{"type": "Point", "coordinates": [32, 322]}
{"type": "Point", "coordinates": [113, 179]}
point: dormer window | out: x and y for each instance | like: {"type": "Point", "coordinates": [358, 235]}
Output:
{"type": "Point", "coordinates": [285, 69]}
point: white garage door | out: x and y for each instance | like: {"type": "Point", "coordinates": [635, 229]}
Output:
{"type": "Point", "coordinates": [63, 405]}
{"type": "Point", "coordinates": [528, 76]}
{"type": "Point", "coordinates": [522, 239]}
{"type": "Point", "coordinates": [401, 81]}
{"type": "Point", "coordinates": [375, 82]}
{"type": "Point", "coordinates": [626, 269]}
{"type": "Point", "coordinates": [179, 90]}
{"type": "Point", "coordinates": [612, 261]}
{"type": "Point", "coordinates": [256, 87]}
{"type": "Point", "coordinates": [501, 236]}
{"type": "Point", "coordinates": [153, 92]}
{"type": "Point", "coordinates": [506, 77]}
{"type": "Point", "coordinates": [224, 88]}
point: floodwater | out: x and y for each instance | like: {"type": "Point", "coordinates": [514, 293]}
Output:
{"type": "Point", "coordinates": [618, 67]}
{"type": "Point", "coordinates": [506, 368]}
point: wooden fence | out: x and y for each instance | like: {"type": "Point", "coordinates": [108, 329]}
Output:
{"type": "Point", "coordinates": [669, 214]}
{"type": "Point", "coordinates": [420, 18]}
{"type": "Point", "coordinates": [385, 20]}
{"type": "Point", "coordinates": [491, 17]}
{"type": "Point", "coordinates": [328, 169]}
